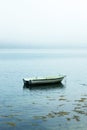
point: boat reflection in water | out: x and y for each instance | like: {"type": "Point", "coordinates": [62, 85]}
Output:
{"type": "Point", "coordinates": [44, 87]}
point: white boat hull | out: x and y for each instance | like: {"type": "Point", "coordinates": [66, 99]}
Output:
{"type": "Point", "coordinates": [40, 81]}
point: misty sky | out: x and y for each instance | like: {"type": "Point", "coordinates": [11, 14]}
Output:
{"type": "Point", "coordinates": [43, 23]}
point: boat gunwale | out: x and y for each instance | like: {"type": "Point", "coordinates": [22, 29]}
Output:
{"type": "Point", "coordinates": [42, 79]}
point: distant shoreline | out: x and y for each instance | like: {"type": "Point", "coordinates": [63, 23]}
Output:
{"type": "Point", "coordinates": [56, 48]}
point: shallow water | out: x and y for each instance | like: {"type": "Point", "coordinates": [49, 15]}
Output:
{"type": "Point", "coordinates": [55, 107]}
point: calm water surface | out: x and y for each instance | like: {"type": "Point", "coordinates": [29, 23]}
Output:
{"type": "Point", "coordinates": [56, 107]}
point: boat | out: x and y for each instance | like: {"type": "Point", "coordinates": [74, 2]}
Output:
{"type": "Point", "coordinates": [43, 81]}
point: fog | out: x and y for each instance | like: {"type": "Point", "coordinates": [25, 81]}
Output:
{"type": "Point", "coordinates": [48, 23]}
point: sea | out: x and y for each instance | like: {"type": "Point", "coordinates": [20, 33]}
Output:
{"type": "Point", "coordinates": [51, 107]}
